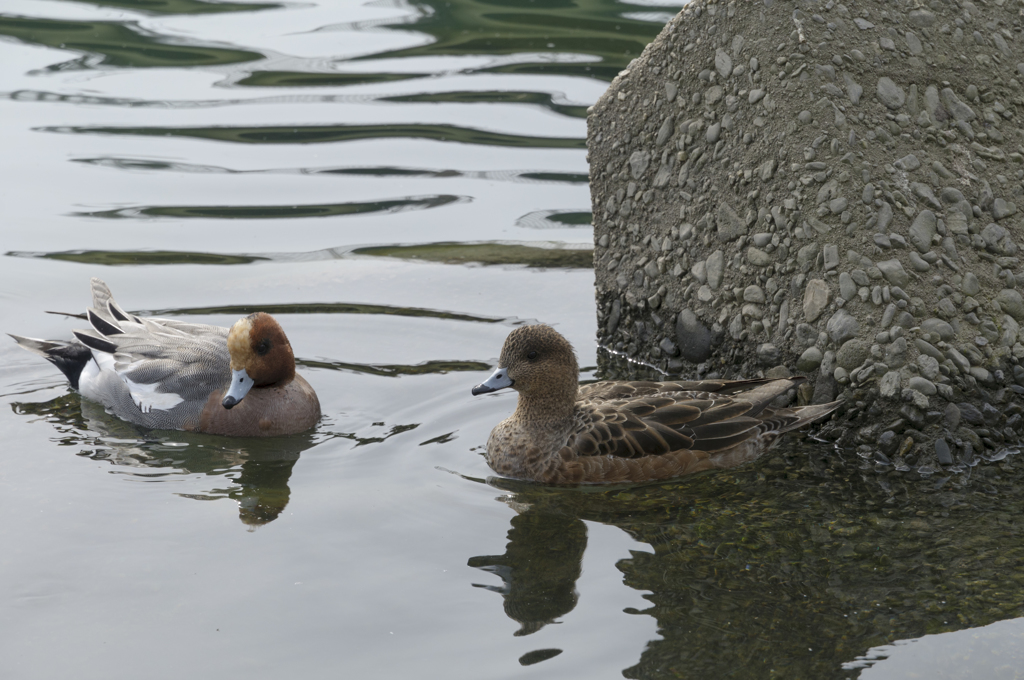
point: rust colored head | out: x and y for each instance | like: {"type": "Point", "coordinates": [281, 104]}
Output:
{"type": "Point", "coordinates": [261, 356]}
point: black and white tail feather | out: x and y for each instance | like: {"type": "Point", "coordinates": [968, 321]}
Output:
{"type": "Point", "coordinates": [142, 369]}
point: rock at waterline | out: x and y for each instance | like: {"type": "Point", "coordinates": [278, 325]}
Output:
{"type": "Point", "coordinates": [840, 195]}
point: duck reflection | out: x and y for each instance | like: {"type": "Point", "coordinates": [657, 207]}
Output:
{"type": "Point", "coordinates": [793, 565]}
{"type": "Point", "coordinates": [258, 468]}
{"type": "Point", "coordinates": [539, 568]}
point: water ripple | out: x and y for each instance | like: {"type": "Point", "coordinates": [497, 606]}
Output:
{"type": "Point", "coordinates": [183, 6]}
{"type": "Point", "coordinates": [325, 308]}
{"type": "Point", "coordinates": [519, 176]}
{"type": "Point", "coordinates": [320, 134]}
{"type": "Point", "coordinates": [555, 219]}
{"type": "Point", "coordinates": [398, 370]}
{"type": "Point", "coordinates": [264, 212]}
{"type": "Point", "coordinates": [530, 254]}
{"type": "Point", "coordinates": [490, 253]}
{"type": "Point", "coordinates": [552, 101]}
{"type": "Point", "coordinates": [116, 45]}
{"type": "Point", "coordinates": [589, 38]}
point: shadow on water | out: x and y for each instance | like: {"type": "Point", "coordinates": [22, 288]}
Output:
{"type": "Point", "coordinates": [254, 471]}
{"type": "Point", "coordinates": [789, 567]}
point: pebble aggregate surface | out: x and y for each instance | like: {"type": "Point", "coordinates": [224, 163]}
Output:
{"type": "Point", "coordinates": [828, 189]}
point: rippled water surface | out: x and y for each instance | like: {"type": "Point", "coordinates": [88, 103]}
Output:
{"type": "Point", "coordinates": [401, 184]}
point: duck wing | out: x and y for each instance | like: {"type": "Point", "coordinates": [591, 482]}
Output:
{"type": "Point", "coordinates": [162, 365]}
{"type": "Point", "coordinates": [612, 390]}
{"type": "Point", "coordinates": [677, 418]}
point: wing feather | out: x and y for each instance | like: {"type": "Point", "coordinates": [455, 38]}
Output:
{"type": "Point", "coordinates": [654, 422]}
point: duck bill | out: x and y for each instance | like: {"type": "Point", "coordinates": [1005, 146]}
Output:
{"type": "Point", "coordinates": [499, 380]}
{"type": "Point", "coordinates": [241, 383]}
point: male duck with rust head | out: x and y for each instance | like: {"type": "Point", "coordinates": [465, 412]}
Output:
{"type": "Point", "coordinates": [169, 374]}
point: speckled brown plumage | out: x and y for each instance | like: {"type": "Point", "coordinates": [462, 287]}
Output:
{"type": "Point", "coordinates": [608, 432]}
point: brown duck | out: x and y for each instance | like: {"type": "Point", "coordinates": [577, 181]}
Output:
{"type": "Point", "coordinates": [562, 433]}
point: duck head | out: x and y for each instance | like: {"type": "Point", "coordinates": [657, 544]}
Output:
{"type": "Point", "coordinates": [535, 360]}
{"type": "Point", "coordinates": [261, 356]}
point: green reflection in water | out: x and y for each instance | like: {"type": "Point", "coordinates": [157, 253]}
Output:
{"type": "Point", "coordinates": [181, 6]}
{"type": "Point", "coordinates": [321, 308]}
{"type": "Point", "coordinates": [573, 219]}
{"type": "Point", "coordinates": [269, 212]}
{"type": "Point", "coordinates": [488, 254]}
{"type": "Point", "coordinates": [788, 567]}
{"type": "Point", "coordinates": [254, 472]}
{"type": "Point", "coordinates": [397, 370]}
{"type": "Point", "coordinates": [117, 44]}
{"type": "Point", "coordinates": [539, 98]}
{"type": "Point", "coordinates": [588, 28]}
{"type": "Point", "coordinates": [572, 178]}
{"type": "Point", "coordinates": [140, 257]}
{"type": "Point", "coordinates": [302, 79]}
{"type": "Point", "coordinates": [321, 134]}
{"type": "Point", "coordinates": [146, 164]}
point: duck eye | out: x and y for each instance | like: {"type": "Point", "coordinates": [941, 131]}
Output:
{"type": "Point", "coordinates": [531, 355]}
{"type": "Point", "coordinates": [263, 346]}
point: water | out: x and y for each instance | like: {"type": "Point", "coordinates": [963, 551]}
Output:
{"type": "Point", "coordinates": [401, 184]}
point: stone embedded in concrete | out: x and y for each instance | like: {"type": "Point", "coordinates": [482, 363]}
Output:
{"type": "Point", "coordinates": [816, 298]}
{"type": "Point", "coordinates": [723, 63]}
{"type": "Point", "coordinates": [852, 354]}
{"type": "Point", "coordinates": [730, 225]}
{"type": "Point", "coordinates": [921, 17]}
{"type": "Point", "coordinates": [884, 218]}
{"type": "Point", "coordinates": [842, 326]}
{"type": "Point", "coordinates": [692, 337]}
{"type": "Point", "coordinates": [922, 385]}
{"type": "Point", "coordinates": [890, 384]}
{"type": "Point", "coordinates": [810, 360]}
{"type": "Point", "coordinates": [890, 94]}
{"type": "Point", "coordinates": [960, 111]}
{"type": "Point", "coordinates": [767, 354]}
{"type": "Point", "coordinates": [847, 286]}
{"type": "Point", "coordinates": [1002, 209]}
{"type": "Point", "coordinates": [938, 327]}
{"type": "Point", "coordinates": [1011, 303]}
{"type": "Point", "coordinates": [758, 257]}
{"type": "Point", "coordinates": [923, 230]}
{"type": "Point", "coordinates": [893, 272]}
{"type": "Point", "coordinates": [716, 269]}
{"type": "Point", "coordinates": [638, 162]}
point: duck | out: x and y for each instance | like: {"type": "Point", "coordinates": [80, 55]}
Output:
{"type": "Point", "coordinates": [626, 431]}
{"type": "Point", "coordinates": [172, 375]}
